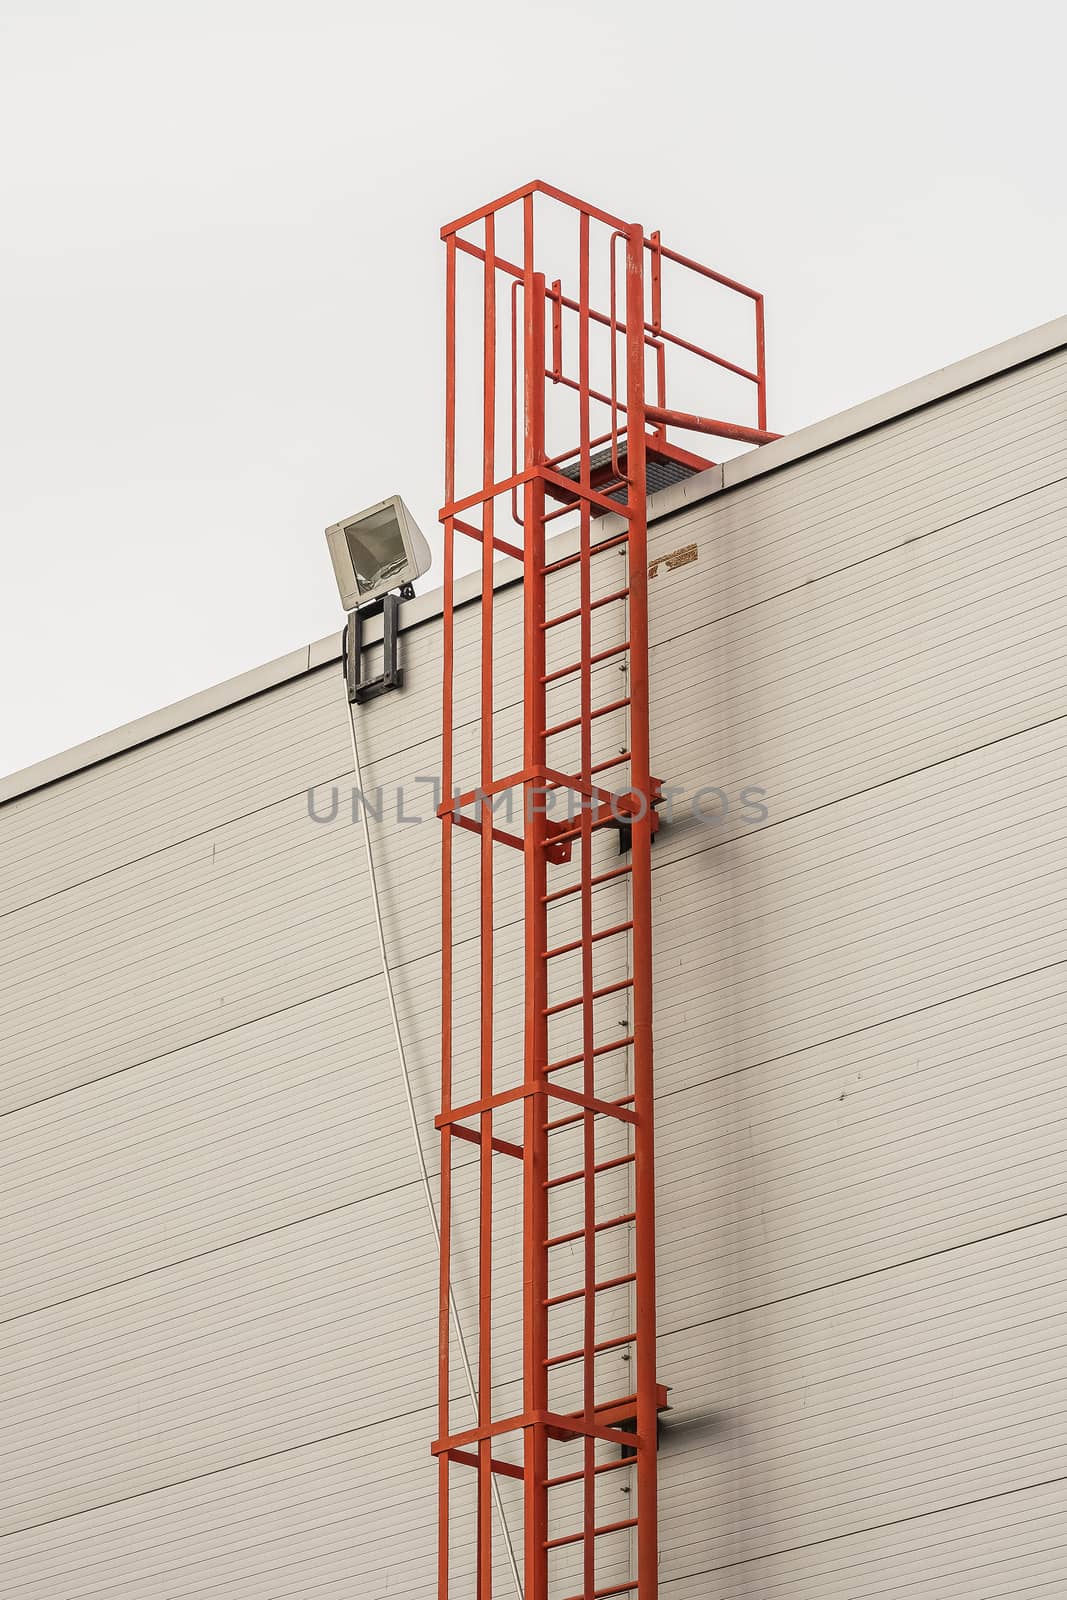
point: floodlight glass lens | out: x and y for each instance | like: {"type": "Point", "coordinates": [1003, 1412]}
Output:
{"type": "Point", "coordinates": [376, 546]}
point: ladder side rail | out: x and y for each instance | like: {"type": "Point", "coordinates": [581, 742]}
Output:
{"type": "Point", "coordinates": [589, 1303]}
{"type": "Point", "coordinates": [641, 914]}
{"type": "Point", "coordinates": [535, 872]}
{"type": "Point", "coordinates": [485, 930]}
{"type": "Point", "coordinates": [444, 1328]}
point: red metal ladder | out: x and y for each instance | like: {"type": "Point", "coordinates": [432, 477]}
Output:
{"type": "Point", "coordinates": [579, 1144]}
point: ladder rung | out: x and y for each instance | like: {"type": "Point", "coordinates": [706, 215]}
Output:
{"type": "Point", "coordinates": [594, 938]}
{"type": "Point", "coordinates": [573, 888]}
{"type": "Point", "coordinates": [604, 1594]}
{"type": "Point", "coordinates": [598, 1288]}
{"type": "Point", "coordinates": [578, 1477]}
{"type": "Point", "coordinates": [594, 605]}
{"type": "Point", "coordinates": [576, 666]}
{"type": "Point", "coordinates": [601, 1050]}
{"type": "Point", "coordinates": [597, 994]}
{"type": "Point", "coordinates": [595, 1350]}
{"type": "Point", "coordinates": [594, 550]}
{"type": "Point", "coordinates": [575, 722]}
{"type": "Point", "coordinates": [601, 1166]}
{"type": "Point", "coordinates": [615, 761]}
{"type": "Point", "coordinates": [601, 766]}
{"type": "Point", "coordinates": [598, 1227]}
{"type": "Point", "coordinates": [579, 1116]}
{"type": "Point", "coordinates": [576, 1538]}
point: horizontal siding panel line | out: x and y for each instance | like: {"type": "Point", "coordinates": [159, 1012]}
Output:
{"type": "Point", "coordinates": [166, 1381]}
{"type": "Point", "coordinates": [818, 1229]}
{"type": "Point", "coordinates": [944, 555]}
{"type": "Point", "coordinates": [901, 497]}
{"type": "Point", "coordinates": [870, 1027]}
{"type": "Point", "coordinates": [866, 1153]}
{"type": "Point", "coordinates": [850, 828]}
{"type": "Point", "coordinates": [214, 1472]}
{"type": "Point", "coordinates": [829, 1373]}
{"type": "Point", "coordinates": [915, 728]}
{"type": "Point", "coordinates": [847, 467]}
{"type": "Point", "coordinates": [281, 1045]}
{"type": "Point", "coordinates": [340, 1497]}
{"type": "Point", "coordinates": [260, 1543]}
{"type": "Point", "coordinates": [183, 742]}
{"type": "Point", "coordinates": [265, 918]}
{"type": "Point", "coordinates": [328, 713]}
{"type": "Point", "coordinates": [264, 921]}
{"type": "Point", "coordinates": [80, 1192]}
{"type": "Point", "coordinates": [873, 1272]}
{"type": "Point", "coordinates": [123, 1527]}
{"type": "Point", "coordinates": [251, 970]}
{"type": "Point", "coordinates": [1032, 921]}
{"type": "Point", "coordinates": [396, 965]}
{"type": "Point", "coordinates": [933, 621]}
{"type": "Point", "coordinates": [767, 1158]}
{"type": "Point", "coordinates": [188, 1044]}
{"type": "Point", "coordinates": [1032, 1467]}
{"type": "Point", "coordinates": [815, 1027]}
{"type": "Point", "coordinates": [881, 1022]}
{"type": "Point", "coordinates": [901, 489]}
{"type": "Point", "coordinates": [883, 783]}
{"type": "Point", "coordinates": [877, 555]}
{"type": "Point", "coordinates": [741, 1112]}
{"type": "Point", "coordinates": [764, 1151]}
{"type": "Point", "coordinates": [198, 1282]}
{"type": "Point", "coordinates": [912, 896]}
{"type": "Point", "coordinates": [34, 1256]}
{"type": "Point", "coordinates": [181, 1261]}
{"type": "Point", "coordinates": [174, 844]}
{"type": "Point", "coordinates": [820, 1486]}
{"type": "Point", "coordinates": [956, 809]}
{"type": "Point", "coordinates": [139, 1352]}
{"type": "Point", "coordinates": [209, 1118]}
{"type": "Point", "coordinates": [1043, 377]}
{"type": "Point", "coordinates": [837, 551]}
{"type": "Point", "coordinates": [214, 1250]}
{"type": "Point", "coordinates": [1036, 656]}
{"type": "Point", "coordinates": [852, 1533]}
{"type": "Point", "coordinates": [166, 784]}
{"type": "Point", "coordinates": [225, 864]}
{"type": "Point", "coordinates": [798, 1406]}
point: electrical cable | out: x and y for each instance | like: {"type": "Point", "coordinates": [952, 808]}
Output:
{"type": "Point", "coordinates": [413, 1118]}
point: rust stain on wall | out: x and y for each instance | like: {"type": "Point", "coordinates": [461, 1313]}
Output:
{"type": "Point", "coordinates": [677, 558]}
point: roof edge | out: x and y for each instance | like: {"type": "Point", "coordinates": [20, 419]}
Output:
{"type": "Point", "coordinates": [818, 436]}
{"type": "Point", "coordinates": [911, 396]}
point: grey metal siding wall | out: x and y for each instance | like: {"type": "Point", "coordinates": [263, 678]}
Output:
{"type": "Point", "coordinates": [861, 1020]}
{"type": "Point", "coordinates": [219, 1284]}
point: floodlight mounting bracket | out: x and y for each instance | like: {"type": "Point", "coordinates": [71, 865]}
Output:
{"type": "Point", "coordinates": [392, 673]}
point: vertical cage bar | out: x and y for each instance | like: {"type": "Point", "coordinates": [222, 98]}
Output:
{"type": "Point", "coordinates": [641, 915]}
{"type": "Point", "coordinates": [485, 1084]}
{"type": "Point", "coordinates": [589, 1552]}
{"type": "Point", "coordinates": [761, 365]}
{"type": "Point", "coordinates": [447, 784]}
{"type": "Point", "coordinates": [535, 1118]}
{"type": "Point", "coordinates": [613, 334]}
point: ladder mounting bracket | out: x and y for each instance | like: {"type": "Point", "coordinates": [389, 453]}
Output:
{"type": "Point", "coordinates": [392, 673]}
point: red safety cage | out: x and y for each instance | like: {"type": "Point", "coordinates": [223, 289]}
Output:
{"type": "Point", "coordinates": [556, 412]}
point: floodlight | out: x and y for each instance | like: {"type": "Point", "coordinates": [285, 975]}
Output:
{"type": "Point", "coordinates": [375, 551]}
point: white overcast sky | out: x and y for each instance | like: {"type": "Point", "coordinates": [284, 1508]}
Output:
{"type": "Point", "coordinates": [221, 277]}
